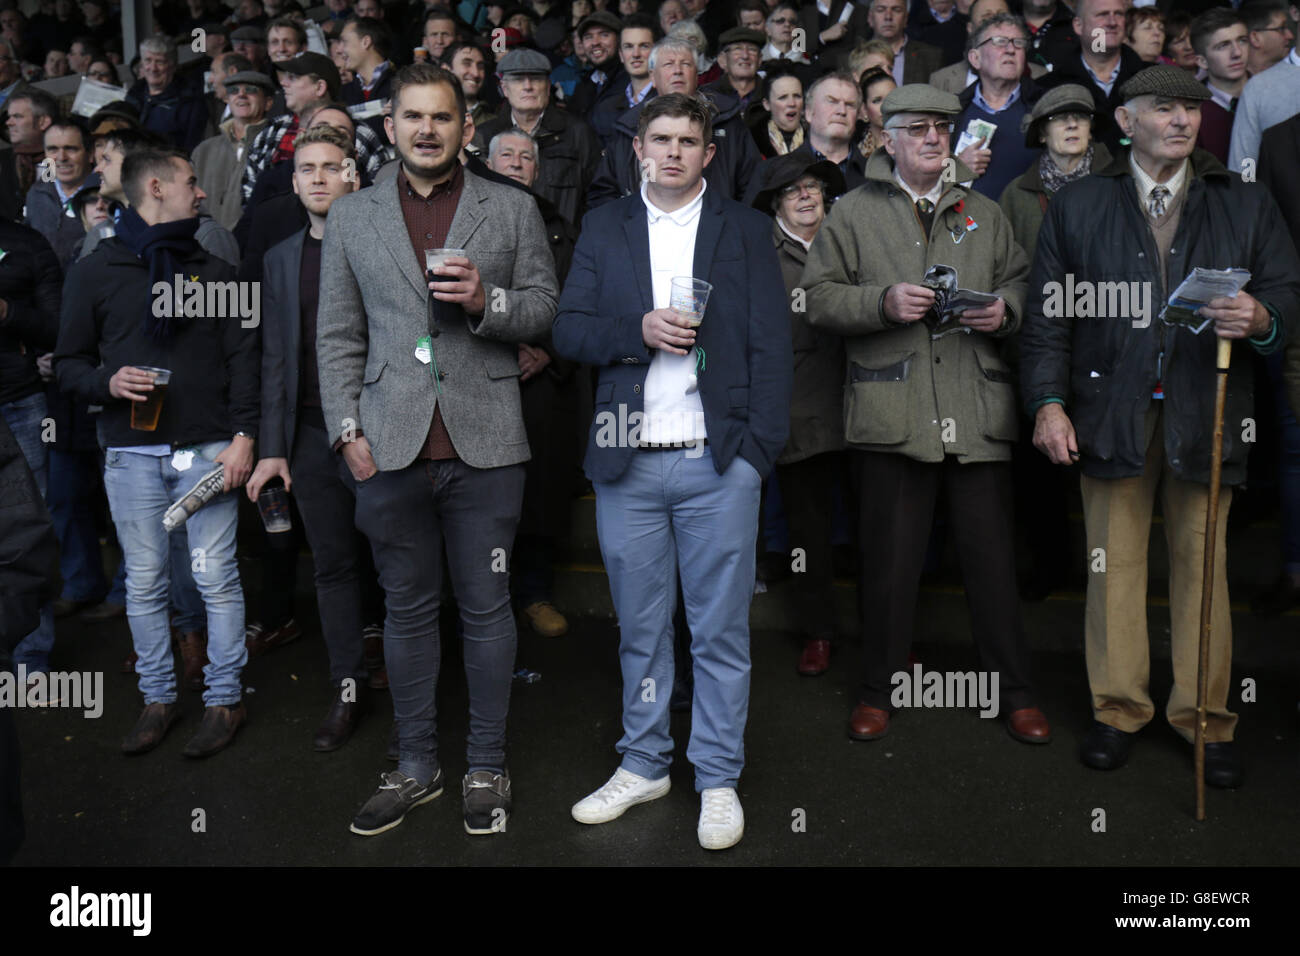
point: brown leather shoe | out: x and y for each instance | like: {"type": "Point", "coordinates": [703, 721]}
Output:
{"type": "Point", "coordinates": [816, 658]}
{"type": "Point", "coordinates": [1029, 726]}
{"type": "Point", "coordinates": [194, 655]}
{"type": "Point", "coordinates": [155, 720]}
{"type": "Point", "coordinates": [216, 730]}
{"type": "Point", "coordinates": [868, 723]}
{"type": "Point", "coordinates": [546, 620]}
{"type": "Point", "coordinates": [338, 724]}
{"type": "Point", "coordinates": [258, 640]}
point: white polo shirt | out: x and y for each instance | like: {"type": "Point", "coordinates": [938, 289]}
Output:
{"type": "Point", "coordinates": [671, 416]}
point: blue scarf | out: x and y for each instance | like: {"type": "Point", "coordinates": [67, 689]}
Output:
{"type": "Point", "coordinates": [161, 247]}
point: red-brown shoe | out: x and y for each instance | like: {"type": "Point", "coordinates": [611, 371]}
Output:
{"type": "Point", "coordinates": [1029, 726]}
{"type": "Point", "coordinates": [816, 658]}
{"type": "Point", "coordinates": [194, 655]}
{"type": "Point", "coordinates": [259, 640]}
{"type": "Point", "coordinates": [868, 723]}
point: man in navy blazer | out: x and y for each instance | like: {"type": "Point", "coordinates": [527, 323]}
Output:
{"type": "Point", "coordinates": [688, 421]}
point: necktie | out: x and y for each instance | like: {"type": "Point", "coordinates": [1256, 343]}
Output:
{"type": "Point", "coordinates": [1158, 201]}
{"type": "Point", "coordinates": [925, 212]}
{"type": "Point", "coordinates": [1232, 105]}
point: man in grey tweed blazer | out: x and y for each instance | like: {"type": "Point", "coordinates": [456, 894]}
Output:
{"type": "Point", "coordinates": [420, 393]}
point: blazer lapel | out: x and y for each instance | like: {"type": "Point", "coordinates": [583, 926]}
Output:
{"type": "Point", "coordinates": [469, 213]}
{"type": "Point", "coordinates": [293, 306]}
{"type": "Point", "coordinates": [391, 226]}
{"type": "Point", "coordinates": [638, 240]}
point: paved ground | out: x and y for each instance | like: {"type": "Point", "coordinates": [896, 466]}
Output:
{"type": "Point", "coordinates": [944, 788]}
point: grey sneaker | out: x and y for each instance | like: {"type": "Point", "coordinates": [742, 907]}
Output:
{"type": "Point", "coordinates": [487, 801]}
{"type": "Point", "coordinates": [396, 796]}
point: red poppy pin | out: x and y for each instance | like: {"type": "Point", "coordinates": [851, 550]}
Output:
{"type": "Point", "coordinates": [959, 205]}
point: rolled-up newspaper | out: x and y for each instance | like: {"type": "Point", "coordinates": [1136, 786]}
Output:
{"type": "Point", "coordinates": [204, 490]}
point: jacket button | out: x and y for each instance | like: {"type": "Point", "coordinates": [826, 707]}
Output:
{"type": "Point", "coordinates": [636, 389]}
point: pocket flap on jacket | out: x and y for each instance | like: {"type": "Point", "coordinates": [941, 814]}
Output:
{"type": "Point", "coordinates": [372, 376]}
{"type": "Point", "coordinates": [994, 369]}
{"type": "Point", "coordinates": [604, 393]}
{"type": "Point", "coordinates": [894, 372]}
{"type": "Point", "coordinates": [501, 365]}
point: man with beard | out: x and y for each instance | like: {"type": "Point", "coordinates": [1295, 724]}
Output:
{"type": "Point", "coordinates": [420, 394]}
{"type": "Point", "coordinates": [598, 33]}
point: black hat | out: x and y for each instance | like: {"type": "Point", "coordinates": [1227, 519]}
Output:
{"type": "Point", "coordinates": [781, 171]}
{"type": "Point", "coordinates": [248, 34]}
{"type": "Point", "coordinates": [600, 18]}
{"type": "Point", "coordinates": [315, 64]}
{"type": "Point", "coordinates": [1169, 81]}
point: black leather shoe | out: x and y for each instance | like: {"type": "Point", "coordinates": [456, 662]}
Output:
{"type": "Point", "coordinates": [1105, 747]}
{"type": "Point", "coordinates": [338, 724]}
{"type": "Point", "coordinates": [1223, 766]}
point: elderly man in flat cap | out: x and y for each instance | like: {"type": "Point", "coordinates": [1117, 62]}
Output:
{"type": "Point", "coordinates": [928, 402]}
{"type": "Point", "coordinates": [220, 160]}
{"type": "Point", "coordinates": [1130, 398]}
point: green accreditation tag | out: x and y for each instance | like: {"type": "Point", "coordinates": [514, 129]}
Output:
{"type": "Point", "coordinates": [424, 355]}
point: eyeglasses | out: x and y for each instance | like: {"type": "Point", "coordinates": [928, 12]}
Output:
{"type": "Point", "coordinates": [798, 189]}
{"type": "Point", "coordinates": [248, 88]}
{"type": "Point", "coordinates": [918, 130]}
{"type": "Point", "coordinates": [1001, 42]}
{"type": "Point", "coordinates": [1070, 116]}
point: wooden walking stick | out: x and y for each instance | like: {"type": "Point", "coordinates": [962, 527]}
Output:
{"type": "Point", "coordinates": [1207, 572]}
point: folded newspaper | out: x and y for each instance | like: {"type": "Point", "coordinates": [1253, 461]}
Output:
{"type": "Point", "coordinates": [1200, 286]}
{"type": "Point", "coordinates": [950, 301]}
{"type": "Point", "coordinates": [204, 490]}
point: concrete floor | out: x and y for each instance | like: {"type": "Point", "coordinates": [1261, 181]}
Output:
{"type": "Point", "coordinates": [945, 788]}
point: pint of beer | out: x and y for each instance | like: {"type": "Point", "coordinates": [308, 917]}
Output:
{"type": "Point", "coordinates": [144, 415]}
{"type": "Point", "coordinates": [421, 55]}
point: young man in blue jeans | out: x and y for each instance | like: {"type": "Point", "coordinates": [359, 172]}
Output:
{"type": "Point", "coordinates": [122, 314]}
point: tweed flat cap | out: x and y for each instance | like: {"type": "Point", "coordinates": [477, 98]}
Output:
{"type": "Point", "coordinates": [741, 35]}
{"type": "Point", "coordinates": [600, 18]}
{"type": "Point", "coordinates": [523, 60]}
{"type": "Point", "coordinates": [1170, 81]}
{"type": "Point", "coordinates": [1069, 97]}
{"type": "Point", "coordinates": [251, 77]}
{"type": "Point", "coordinates": [920, 98]}
{"type": "Point", "coordinates": [248, 34]}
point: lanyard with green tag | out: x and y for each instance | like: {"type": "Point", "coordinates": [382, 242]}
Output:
{"type": "Point", "coordinates": [425, 355]}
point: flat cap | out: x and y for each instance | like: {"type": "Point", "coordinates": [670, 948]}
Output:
{"type": "Point", "coordinates": [315, 64]}
{"type": "Point", "coordinates": [549, 34]}
{"type": "Point", "coordinates": [601, 18]}
{"type": "Point", "coordinates": [920, 98]}
{"type": "Point", "coordinates": [248, 34]}
{"type": "Point", "coordinates": [251, 77]}
{"type": "Point", "coordinates": [741, 35]}
{"type": "Point", "coordinates": [1170, 81]}
{"type": "Point", "coordinates": [523, 60]}
{"type": "Point", "coordinates": [1069, 97]}
{"type": "Point", "coordinates": [780, 171]}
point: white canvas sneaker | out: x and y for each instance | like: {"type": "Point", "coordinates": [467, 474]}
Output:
{"type": "Point", "coordinates": [722, 822]}
{"type": "Point", "coordinates": [623, 791]}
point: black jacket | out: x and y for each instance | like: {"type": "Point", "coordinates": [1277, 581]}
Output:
{"type": "Point", "coordinates": [178, 113]}
{"type": "Point", "coordinates": [354, 95]}
{"type": "Point", "coordinates": [568, 154]}
{"type": "Point", "coordinates": [587, 95]}
{"type": "Point", "coordinates": [31, 284]}
{"type": "Point", "coordinates": [1055, 40]}
{"type": "Point", "coordinates": [214, 361]}
{"type": "Point", "coordinates": [1278, 149]}
{"type": "Point", "coordinates": [733, 167]}
{"type": "Point", "coordinates": [1105, 368]}
{"type": "Point", "coordinates": [949, 36]}
{"type": "Point", "coordinates": [29, 549]}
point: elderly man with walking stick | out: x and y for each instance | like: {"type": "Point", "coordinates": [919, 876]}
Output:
{"type": "Point", "coordinates": [1129, 396]}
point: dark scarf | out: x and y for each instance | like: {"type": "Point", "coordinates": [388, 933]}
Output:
{"type": "Point", "coordinates": [161, 247]}
{"type": "Point", "coordinates": [1054, 179]}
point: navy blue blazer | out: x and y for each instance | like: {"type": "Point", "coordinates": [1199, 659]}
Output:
{"type": "Point", "coordinates": [749, 365]}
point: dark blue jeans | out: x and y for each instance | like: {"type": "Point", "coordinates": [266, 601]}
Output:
{"type": "Point", "coordinates": [409, 516]}
{"type": "Point", "coordinates": [73, 490]}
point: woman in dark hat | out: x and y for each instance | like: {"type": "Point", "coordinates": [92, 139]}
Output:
{"type": "Point", "coordinates": [778, 128]}
{"type": "Point", "coordinates": [797, 191]}
{"type": "Point", "coordinates": [1061, 123]}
